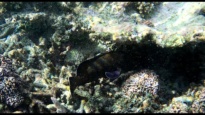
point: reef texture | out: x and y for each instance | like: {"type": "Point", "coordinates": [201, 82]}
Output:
{"type": "Point", "coordinates": [143, 8]}
{"type": "Point", "coordinates": [198, 104]}
{"type": "Point", "coordinates": [11, 84]}
{"type": "Point", "coordinates": [43, 44]}
{"type": "Point", "coordinates": [141, 83]}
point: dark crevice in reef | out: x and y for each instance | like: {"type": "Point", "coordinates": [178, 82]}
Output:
{"type": "Point", "coordinates": [186, 61]}
{"type": "Point", "coordinates": [183, 64]}
{"type": "Point", "coordinates": [173, 64]}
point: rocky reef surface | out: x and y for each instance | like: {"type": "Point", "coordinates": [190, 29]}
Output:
{"type": "Point", "coordinates": [43, 43]}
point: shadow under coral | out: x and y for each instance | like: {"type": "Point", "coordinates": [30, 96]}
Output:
{"type": "Point", "coordinates": [176, 67]}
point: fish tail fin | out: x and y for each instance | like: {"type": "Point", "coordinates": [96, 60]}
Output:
{"type": "Point", "coordinates": [73, 84]}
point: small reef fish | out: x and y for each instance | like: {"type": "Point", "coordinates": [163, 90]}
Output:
{"type": "Point", "coordinates": [103, 65]}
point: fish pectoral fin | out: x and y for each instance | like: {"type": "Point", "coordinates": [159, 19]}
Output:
{"type": "Point", "coordinates": [113, 74]}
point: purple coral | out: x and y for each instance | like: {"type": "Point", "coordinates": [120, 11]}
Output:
{"type": "Point", "coordinates": [141, 83]}
{"type": "Point", "coordinates": [10, 84]}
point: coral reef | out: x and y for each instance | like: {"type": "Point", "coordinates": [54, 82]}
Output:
{"type": "Point", "coordinates": [47, 41]}
{"type": "Point", "coordinates": [139, 93]}
{"type": "Point", "coordinates": [10, 6]}
{"type": "Point", "coordinates": [117, 100]}
{"type": "Point", "coordinates": [143, 8]}
{"type": "Point", "coordinates": [141, 83]}
{"type": "Point", "coordinates": [12, 86]}
{"type": "Point", "coordinates": [96, 101]}
{"type": "Point", "coordinates": [198, 104]}
{"type": "Point", "coordinates": [178, 107]}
